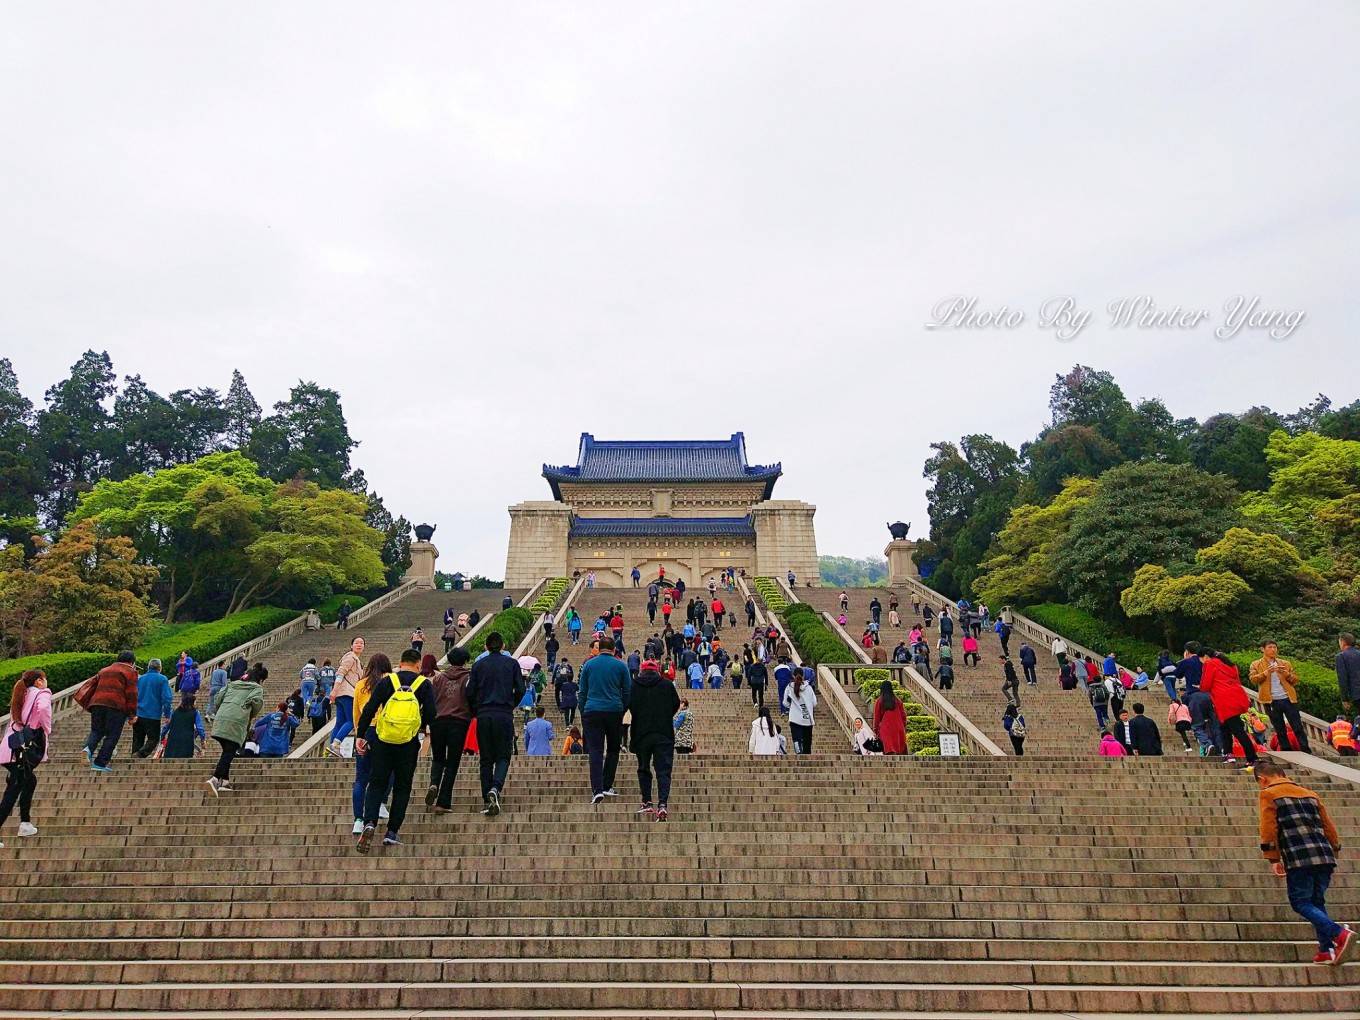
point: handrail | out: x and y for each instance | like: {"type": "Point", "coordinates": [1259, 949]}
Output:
{"type": "Point", "coordinates": [841, 705]}
{"type": "Point", "coordinates": [969, 735]}
{"type": "Point", "coordinates": [532, 593]}
{"type": "Point", "coordinates": [1317, 728]}
{"type": "Point", "coordinates": [761, 619]}
{"type": "Point", "coordinates": [64, 701]}
{"type": "Point", "coordinates": [536, 629]}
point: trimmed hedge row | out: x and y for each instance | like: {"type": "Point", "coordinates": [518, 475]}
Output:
{"type": "Point", "coordinates": [329, 609]}
{"type": "Point", "coordinates": [552, 591]}
{"type": "Point", "coordinates": [511, 624]}
{"type": "Point", "coordinates": [815, 641]}
{"type": "Point", "coordinates": [768, 590]}
{"type": "Point", "coordinates": [1083, 628]}
{"type": "Point", "coordinates": [203, 641]}
{"type": "Point", "coordinates": [1318, 690]}
{"type": "Point", "coordinates": [923, 730]}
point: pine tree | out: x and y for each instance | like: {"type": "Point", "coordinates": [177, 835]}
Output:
{"type": "Point", "coordinates": [243, 411]}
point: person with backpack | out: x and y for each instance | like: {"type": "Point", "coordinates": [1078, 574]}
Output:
{"type": "Point", "coordinates": [238, 704]}
{"type": "Point", "coordinates": [448, 732]}
{"type": "Point", "coordinates": [23, 746]}
{"type": "Point", "coordinates": [155, 701]}
{"type": "Point", "coordinates": [318, 709]}
{"type": "Point", "coordinates": [110, 696]}
{"type": "Point", "coordinates": [190, 679]}
{"type": "Point", "coordinates": [183, 735]}
{"type": "Point", "coordinates": [756, 679]}
{"type": "Point", "coordinates": [944, 675]}
{"type": "Point", "coordinates": [307, 679]}
{"type": "Point", "coordinates": [1003, 633]}
{"type": "Point", "coordinates": [1014, 724]}
{"type": "Point", "coordinates": [493, 690]}
{"type": "Point", "coordinates": [565, 692]}
{"type": "Point", "coordinates": [1028, 662]}
{"type": "Point", "coordinates": [1300, 841]}
{"type": "Point", "coordinates": [606, 687]}
{"type": "Point", "coordinates": [401, 706]}
{"type": "Point", "coordinates": [274, 732]}
{"type": "Point", "coordinates": [654, 704]}
{"type": "Point", "coordinates": [1100, 702]}
{"type": "Point", "coordinates": [798, 701]}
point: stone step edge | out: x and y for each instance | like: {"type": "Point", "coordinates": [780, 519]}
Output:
{"type": "Point", "coordinates": [627, 1014]}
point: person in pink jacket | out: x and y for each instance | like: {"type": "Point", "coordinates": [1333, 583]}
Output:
{"type": "Point", "coordinates": [30, 707]}
{"type": "Point", "coordinates": [1178, 717]}
{"type": "Point", "coordinates": [1110, 747]}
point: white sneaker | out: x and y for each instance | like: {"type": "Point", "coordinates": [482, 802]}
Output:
{"type": "Point", "coordinates": [382, 811]}
{"type": "Point", "coordinates": [215, 786]}
{"type": "Point", "coordinates": [225, 785]}
{"type": "Point", "coordinates": [611, 792]}
{"type": "Point", "coordinates": [358, 827]}
{"type": "Point", "coordinates": [27, 829]}
{"type": "Point", "coordinates": [597, 798]}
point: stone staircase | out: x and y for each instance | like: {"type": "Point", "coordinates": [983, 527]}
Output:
{"type": "Point", "coordinates": [1059, 722]}
{"type": "Point", "coordinates": [824, 887]}
{"type": "Point", "coordinates": [387, 631]}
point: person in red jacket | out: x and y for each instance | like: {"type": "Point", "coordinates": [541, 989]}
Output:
{"type": "Point", "coordinates": [1223, 683]}
{"type": "Point", "coordinates": [890, 720]}
{"type": "Point", "coordinates": [112, 703]}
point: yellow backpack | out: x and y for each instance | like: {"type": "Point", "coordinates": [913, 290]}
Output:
{"type": "Point", "coordinates": [399, 719]}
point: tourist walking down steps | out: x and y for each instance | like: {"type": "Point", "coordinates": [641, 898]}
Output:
{"type": "Point", "coordinates": [30, 730]}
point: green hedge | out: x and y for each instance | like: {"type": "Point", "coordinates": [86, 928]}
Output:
{"type": "Point", "coordinates": [918, 740]}
{"type": "Point", "coordinates": [1318, 690]}
{"type": "Point", "coordinates": [1081, 627]}
{"type": "Point", "coordinates": [548, 598]}
{"type": "Point", "coordinates": [770, 593]}
{"type": "Point", "coordinates": [203, 641]}
{"type": "Point", "coordinates": [330, 608]}
{"type": "Point", "coordinates": [511, 624]}
{"type": "Point", "coordinates": [813, 638]}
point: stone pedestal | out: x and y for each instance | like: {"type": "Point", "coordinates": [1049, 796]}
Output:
{"type": "Point", "coordinates": [901, 567]}
{"type": "Point", "coordinates": [538, 542]}
{"type": "Point", "coordinates": [423, 555]}
{"type": "Point", "coordinates": [785, 539]}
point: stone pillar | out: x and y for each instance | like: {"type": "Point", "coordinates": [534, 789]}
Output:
{"type": "Point", "coordinates": [423, 555]}
{"type": "Point", "coordinates": [538, 542]}
{"type": "Point", "coordinates": [901, 567]}
{"type": "Point", "coordinates": [785, 540]}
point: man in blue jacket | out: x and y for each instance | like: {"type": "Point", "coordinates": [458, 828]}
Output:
{"type": "Point", "coordinates": [606, 687]}
{"type": "Point", "coordinates": [494, 688]}
{"type": "Point", "coordinates": [154, 703]}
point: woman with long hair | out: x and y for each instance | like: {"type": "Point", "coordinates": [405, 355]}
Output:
{"type": "Point", "coordinates": [30, 714]}
{"type": "Point", "coordinates": [429, 665]}
{"type": "Point", "coordinates": [379, 665]}
{"type": "Point", "coordinates": [764, 734]}
{"type": "Point", "coordinates": [237, 706]}
{"type": "Point", "coordinates": [890, 720]}
{"type": "Point", "coordinates": [799, 701]}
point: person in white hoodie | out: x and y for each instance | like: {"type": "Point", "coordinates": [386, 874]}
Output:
{"type": "Point", "coordinates": [764, 734]}
{"type": "Point", "coordinates": [799, 701]}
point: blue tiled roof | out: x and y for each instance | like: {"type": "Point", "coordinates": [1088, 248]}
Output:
{"type": "Point", "coordinates": [662, 527]}
{"type": "Point", "coordinates": [690, 460]}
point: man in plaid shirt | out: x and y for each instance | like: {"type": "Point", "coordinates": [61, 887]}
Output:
{"type": "Point", "coordinates": [1300, 841]}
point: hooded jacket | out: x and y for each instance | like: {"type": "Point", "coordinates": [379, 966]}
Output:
{"type": "Point", "coordinates": [653, 702]}
{"type": "Point", "coordinates": [450, 693]}
{"type": "Point", "coordinates": [238, 703]}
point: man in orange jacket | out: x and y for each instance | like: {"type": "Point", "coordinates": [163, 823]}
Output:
{"type": "Point", "coordinates": [1301, 843]}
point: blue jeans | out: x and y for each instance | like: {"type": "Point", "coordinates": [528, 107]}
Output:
{"type": "Point", "coordinates": [363, 768]}
{"type": "Point", "coordinates": [1102, 715]}
{"type": "Point", "coordinates": [344, 718]}
{"type": "Point", "coordinates": [1307, 891]}
{"type": "Point", "coordinates": [308, 688]}
{"type": "Point", "coordinates": [1169, 682]}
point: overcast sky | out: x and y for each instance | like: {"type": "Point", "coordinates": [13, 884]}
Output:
{"type": "Point", "coordinates": [493, 227]}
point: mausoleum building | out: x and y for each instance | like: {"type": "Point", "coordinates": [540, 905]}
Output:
{"type": "Point", "coordinates": [695, 507]}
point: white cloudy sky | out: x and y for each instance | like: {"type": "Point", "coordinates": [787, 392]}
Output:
{"type": "Point", "coordinates": [494, 227]}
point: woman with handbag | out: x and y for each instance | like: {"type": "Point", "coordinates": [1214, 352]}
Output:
{"type": "Point", "coordinates": [24, 746]}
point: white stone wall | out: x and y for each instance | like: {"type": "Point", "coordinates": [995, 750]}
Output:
{"type": "Point", "coordinates": [785, 539]}
{"type": "Point", "coordinates": [538, 542]}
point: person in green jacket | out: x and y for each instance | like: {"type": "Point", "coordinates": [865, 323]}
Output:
{"type": "Point", "coordinates": [236, 707]}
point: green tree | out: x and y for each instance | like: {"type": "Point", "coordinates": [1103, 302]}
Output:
{"type": "Point", "coordinates": [848, 572]}
{"type": "Point", "coordinates": [1235, 445]}
{"type": "Point", "coordinates": [1173, 601]}
{"type": "Point", "coordinates": [306, 437]}
{"type": "Point", "coordinates": [1264, 559]}
{"type": "Point", "coordinates": [1019, 568]}
{"type": "Point", "coordinates": [75, 433]}
{"type": "Point", "coordinates": [1139, 514]}
{"type": "Point", "coordinates": [1068, 451]}
{"type": "Point", "coordinates": [1343, 423]}
{"type": "Point", "coordinates": [396, 536]}
{"type": "Point", "coordinates": [242, 412]}
{"type": "Point", "coordinates": [1085, 396]}
{"type": "Point", "coordinates": [191, 521]}
{"type": "Point", "coordinates": [21, 467]}
{"type": "Point", "coordinates": [972, 487]}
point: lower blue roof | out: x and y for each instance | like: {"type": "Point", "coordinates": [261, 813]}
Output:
{"type": "Point", "coordinates": [662, 527]}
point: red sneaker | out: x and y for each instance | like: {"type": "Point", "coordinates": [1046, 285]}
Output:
{"type": "Point", "coordinates": [1325, 958]}
{"type": "Point", "coordinates": [1342, 944]}
{"type": "Point", "coordinates": [661, 813]}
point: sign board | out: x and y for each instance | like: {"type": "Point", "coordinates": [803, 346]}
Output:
{"type": "Point", "coordinates": [949, 745]}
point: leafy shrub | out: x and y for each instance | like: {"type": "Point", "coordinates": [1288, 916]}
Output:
{"type": "Point", "coordinates": [813, 639]}
{"type": "Point", "coordinates": [1318, 691]}
{"type": "Point", "coordinates": [329, 608]}
{"type": "Point", "coordinates": [203, 641]}
{"type": "Point", "coordinates": [922, 723]}
{"type": "Point", "coordinates": [511, 624]}
{"type": "Point", "coordinates": [918, 739]}
{"type": "Point", "coordinates": [1081, 627]}
{"type": "Point", "coordinates": [548, 598]}
{"type": "Point", "coordinates": [927, 752]}
{"type": "Point", "coordinates": [771, 594]}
